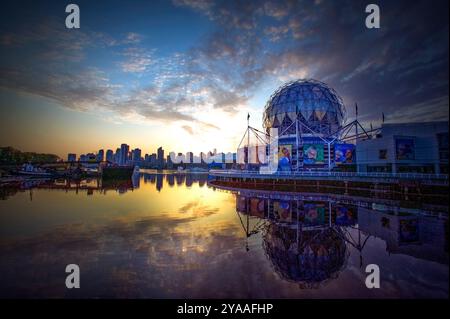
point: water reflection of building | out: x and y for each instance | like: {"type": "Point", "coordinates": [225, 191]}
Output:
{"type": "Point", "coordinates": [308, 257]}
{"type": "Point", "coordinates": [307, 237]}
{"type": "Point", "coordinates": [92, 185]}
{"type": "Point", "coordinates": [136, 179]}
{"type": "Point", "coordinates": [172, 179]}
{"type": "Point", "coordinates": [300, 238]}
{"type": "Point", "coordinates": [420, 236]}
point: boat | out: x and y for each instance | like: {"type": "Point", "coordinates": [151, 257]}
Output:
{"type": "Point", "coordinates": [30, 170]}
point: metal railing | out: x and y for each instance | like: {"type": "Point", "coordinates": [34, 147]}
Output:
{"type": "Point", "coordinates": [246, 173]}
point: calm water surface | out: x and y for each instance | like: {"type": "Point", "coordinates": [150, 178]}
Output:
{"type": "Point", "coordinates": [173, 236]}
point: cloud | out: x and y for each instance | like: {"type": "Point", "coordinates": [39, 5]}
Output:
{"type": "Point", "coordinates": [277, 9]}
{"type": "Point", "coordinates": [81, 91]}
{"type": "Point", "coordinates": [188, 129]}
{"type": "Point", "coordinates": [430, 110]}
{"type": "Point", "coordinates": [138, 60]}
{"type": "Point", "coordinates": [276, 32]}
{"type": "Point", "coordinates": [133, 38]}
{"type": "Point", "coordinates": [250, 45]}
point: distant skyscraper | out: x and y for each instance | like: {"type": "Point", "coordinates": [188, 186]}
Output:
{"type": "Point", "coordinates": [136, 155]}
{"type": "Point", "coordinates": [91, 157]}
{"type": "Point", "coordinates": [118, 156]}
{"type": "Point", "coordinates": [202, 157]}
{"type": "Point", "coordinates": [169, 162]}
{"type": "Point", "coordinates": [160, 157]}
{"type": "Point", "coordinates": [189, 157]}
{"type": "Point", "coordinates": [124, 150]}
{"type": "Point", "coordinates": [101, 155]}
{"type": "Point", "coordinates": [110, 156]}
{"type": "Point", "coordinates": [172, 158]}
{"type": "Point", "coordinates": [153, 159]}
{"type": "Point", "coordinates": [71, 157]}
{"type": "Point", "coordinates": [181, 158]}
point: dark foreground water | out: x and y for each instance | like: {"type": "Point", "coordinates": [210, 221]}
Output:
{"type": "Point", "coordinates": [173, 236]}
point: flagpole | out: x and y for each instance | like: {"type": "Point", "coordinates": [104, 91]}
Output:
{"type": "Point", "coordinates": [356, 117]}
{"type": "Point", "coordinates": [248, 139]}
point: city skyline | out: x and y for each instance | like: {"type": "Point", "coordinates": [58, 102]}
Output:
{"type": "Point", "coordinates": [185, 73]}
{"type": "Point", "coordinates": [142, 156]}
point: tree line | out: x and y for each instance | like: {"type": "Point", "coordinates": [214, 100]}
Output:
{"type": "Point", "coordinates": [10, 155]}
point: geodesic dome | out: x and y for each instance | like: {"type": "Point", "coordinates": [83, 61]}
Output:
{"type": "Point", "coordinates": [312, 259]}
{"type": "Point", "coordinates": [314, 103]}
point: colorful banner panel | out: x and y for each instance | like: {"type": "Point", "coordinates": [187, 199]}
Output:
{"type": "Point", "coordinates": [314, 214]}
{"type": "Point", "coordinates": [313, 154]}
{"type": "Point", "coordinates": [257, 207]}
{"type": "Point", "coordinates": [282, 211]}
{"type": "Point", "coordinates": [344, 153]}
{"type": "Point", "coordinates": [345, 216]}
{"type": "Point", "coordinates": [404, 148]}
{"type": "Point", "coordinates": [284, 157]}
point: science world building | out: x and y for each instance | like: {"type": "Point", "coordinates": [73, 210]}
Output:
{"type": "Point", "coordinates": [307, 141]}
{"type": "Point", "coordinates": [306, 130]}
{"type": "Point", "coordinates": [307, 119]}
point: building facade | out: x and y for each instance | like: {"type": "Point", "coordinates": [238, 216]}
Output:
{"type": "Point", "coordinates": [405, 147]}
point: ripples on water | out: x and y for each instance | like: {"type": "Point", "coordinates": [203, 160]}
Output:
{"type": "Point", "coordinates": [175, 236]}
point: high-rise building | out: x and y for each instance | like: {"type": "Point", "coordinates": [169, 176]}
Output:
{"type": "Point", "coordinates": [153, 159]}
{"type": "Point", "coordinates": [180, 158]}
{"type": "Point", "coordinates": [136, 155]}
{"type": "Point", "coordinates": [71, 157]}
{"type": "Point", "coordinates": [101, 155]}
{"type": "Point", "coordinates": [124, 150]}
{"type": "Point", "coordinates": [202, 157]}
{"type": "Point", "coordinates": [160, 157]}
{"type": "Point", "coordinates": [117, 156]}
{"type": "Point", "coordinates": [110, 156]}
{"type": "Point", "coordinates": [169, 162]}
{"type": "Point", "coordinates": [189, 157]}
{"type": "Point", "coordinates": [91, 157]}
{"type": "Point", "coordinates": [172, 158]}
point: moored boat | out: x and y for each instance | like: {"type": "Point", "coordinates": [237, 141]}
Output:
{"type": "Point", "coordinates": [30, 170]}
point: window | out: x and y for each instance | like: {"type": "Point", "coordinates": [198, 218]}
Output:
{"type": "Point", "coordinates": [382, 154]}
{"type": "Point", "coordinates": [404, 147]}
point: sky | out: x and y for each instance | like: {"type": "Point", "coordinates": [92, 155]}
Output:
{"type": "Point", "coordinates": [184, 74]}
